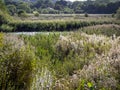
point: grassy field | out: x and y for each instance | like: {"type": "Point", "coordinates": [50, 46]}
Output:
{"type": "Point", "coordinates": [64, 16]}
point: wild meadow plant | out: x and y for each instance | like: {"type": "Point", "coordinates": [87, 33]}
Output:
{"type": "Point", "coordinates": [55, 61]}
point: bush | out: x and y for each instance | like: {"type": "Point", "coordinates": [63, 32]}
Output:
{"type": "Point", "coordinates": [6, 28]}
{"type": "Point", "coordinates": [86, 15]}
{"type": "Point", "coordinates": [113, 15]}
{"type": "Point", "coordinates": [4, 16]}
{"type": "Point", "coordinates": [36, 14]}
{"type": "Point", "coordinates": [16, 64]}
{"type": "Point", "coordinates": [22, 13]}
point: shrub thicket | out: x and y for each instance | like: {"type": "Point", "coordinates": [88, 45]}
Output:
{"type": "Point", "coordinates": [16, 64]}
{"type": "Point", "coordinates": [29, 26]}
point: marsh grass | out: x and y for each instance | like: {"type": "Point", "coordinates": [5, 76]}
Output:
{"type": "Point", "coordinates": [55, 61]}
{"type": "Point", "coordinates": [108, 30]}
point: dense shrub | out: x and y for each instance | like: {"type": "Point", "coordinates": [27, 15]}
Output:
{"type": "Point", "coordinates": [16, 64]}
{"type": "Point", "coordinates": [86, 15]}
{"type": "Point", "coordinates": [29, 26]}
{"type": "Point", "coordinates": [36, 14]}
{"type": "Point", "coordinates": [6, 28]}
{"type": "Point", "coordinates": [2, 18]}
{"type": "Point", "coordinates": [22, 13]}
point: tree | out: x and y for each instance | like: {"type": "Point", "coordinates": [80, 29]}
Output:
{"type": "Point", "coordinates": [118, 13]}
{"type": "Point", "coordinates": [4, 16]}
{"type": "Point", "coordinates": [68, 11]}
{"type": "Point", "coordinates": [25, 7]}
{"type": "Point", "coordinates": [22, 14]}
{"type": "Point", "coordinates": [60, 5]}
{"type": "Point", "coordinates": [11, 9]}
{"type": "Point", "coordinates": [43, 4]}
{"type": "Point", "coordinates": [2, 6]}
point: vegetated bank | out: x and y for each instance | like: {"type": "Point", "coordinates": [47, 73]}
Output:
{"type": "Point", "coordinates": [105, 29]}
{"type": "Point", "coordinates": [55, 25]}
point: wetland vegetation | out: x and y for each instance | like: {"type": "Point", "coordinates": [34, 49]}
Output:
{"type": "Point", "coordinates": [59, 51]}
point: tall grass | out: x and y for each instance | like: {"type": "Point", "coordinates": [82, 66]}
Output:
{"type": "Point", "coordinates": [108, 30]}
{"type": "Point", "coordinates": [67, 61]}
{"type": "Point", "coordinates": [54, 25]}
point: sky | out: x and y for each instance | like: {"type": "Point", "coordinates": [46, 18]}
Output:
{"type": "Point", "coordinates": [76, 0]}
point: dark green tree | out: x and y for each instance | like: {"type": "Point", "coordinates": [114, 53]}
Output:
{"type": "Point", "coordinates": [25, 7]}
{"type": "Point", "coordinates": [60, 5]}
{"type": "Point", "coordinates": [11, 9]}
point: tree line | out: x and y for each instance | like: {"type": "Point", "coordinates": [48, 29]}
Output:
{"type": "Point", "coordinates": [63, 6]}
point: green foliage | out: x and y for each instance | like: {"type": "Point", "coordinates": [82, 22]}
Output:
{"type": "Point", "coordinates": [1, 40]}
{"type": "Point", "coordinates": [4, 16]}
{"type": "Point", "coordinates": [3, 13]}
{"type": "Point", "coordinates": [12, 9]}
{"type": "Point", "coordinates": [49, 11]}
{"type": "Point", "coordinates": [2, 6]}
{"type": "Point", "coordinates": [16, 66]}
{"type": "Point", "coordinates": [55, 25]}
{"type": "Point", "coordinates": [118, 14]}
{"type": "Point", "coordinates": [62, 59]}
{"type": "Point", "coordinates": [68, 11]}
{"type": "Point", "coordinates": [3, 19]}
{"type": "Point", "coordinates": [86, 15]}
{"type": "Point", "coordinates": [89, 6]}
{"type": "Point", "coordinates": [107, 30]}
{"type": "Point", "coordinates": [6, 28]}
{"type": "Point", "coordinates": [113, 15]}
{"type": "Point", "coordinates": [36, 14]}
{"type": "Point", "coordinates": [22, 13]}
